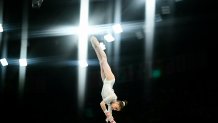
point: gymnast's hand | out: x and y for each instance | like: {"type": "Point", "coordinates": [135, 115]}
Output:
{"type": "Point", "coordinates": [112, 121]}
{"type": "Point", "coordinates": [109, 118]}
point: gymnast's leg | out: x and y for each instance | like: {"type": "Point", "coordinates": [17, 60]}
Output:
{"type": "Point", "coordinates": [102, 57]}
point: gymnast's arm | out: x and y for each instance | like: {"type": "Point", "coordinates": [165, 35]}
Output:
{"type": "Point", "coordinates": [103, 106]}
{"type": "Point", "coordinates": [108, 112]}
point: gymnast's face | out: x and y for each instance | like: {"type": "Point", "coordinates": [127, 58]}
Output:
{"type": "Point", "coordinates": [115, 106]}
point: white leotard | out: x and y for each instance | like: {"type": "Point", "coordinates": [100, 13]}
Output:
{"type": "Point", "coordinates": [107, 92]}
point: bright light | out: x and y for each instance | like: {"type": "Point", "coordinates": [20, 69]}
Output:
{"type": "Point", "coordinates": [117, 28]}
{"type": "Point", "coordinates": [83, 63]}
{"type": "Point", "coordinates": [82, 51]}
{"type": "Point", "coordinates": [150, 13]}
{"type": "Point", "coordinates": [149, 32]}
{"type": "Point", "coordinates": [92, 30]}
{"type": "Point", "coordinates": [109, 38]}
{"type": "Point", "coordinates": [1, 28]}
{"type": "Point", "coordinates": [23, 62]}
{"type": "Point", "coordinates": [102, 45]}
{"type": "Point", "coordinates": [4, 62]}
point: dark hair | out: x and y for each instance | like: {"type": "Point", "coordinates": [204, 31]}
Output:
{"type": "Point", "coordinates": [122, 104]}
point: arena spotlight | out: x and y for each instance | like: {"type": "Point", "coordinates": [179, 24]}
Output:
{"type": "Point", "coordinates": [4, 62]}
{"type": "Point", "coordinates": [83, 63]}
{"type": "Point", "coordinates": [117, 28]}
{"type": "Point", "coordinates": [23, 62]}
{"type": "Point", "coordinates": [1, 28]}
{"type": "Point", "coordinates": [109, 38]}
{"type": "Point", "coordinates": [82, 52]}
{"type": "Point", "coordinates": [36, 3]}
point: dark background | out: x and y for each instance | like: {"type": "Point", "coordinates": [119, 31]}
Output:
{"type": "Point", "coordinates": [184, 91]}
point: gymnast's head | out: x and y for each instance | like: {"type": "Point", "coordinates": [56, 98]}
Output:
{"type": "Point", "coordinates": [118, 105]}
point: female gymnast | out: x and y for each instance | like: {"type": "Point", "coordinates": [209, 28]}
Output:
{"type": "Point", "coordinates": [109, 98]}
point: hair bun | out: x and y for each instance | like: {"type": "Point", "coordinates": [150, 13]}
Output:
{"type": "Point", "coordinates": [125, 102]}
